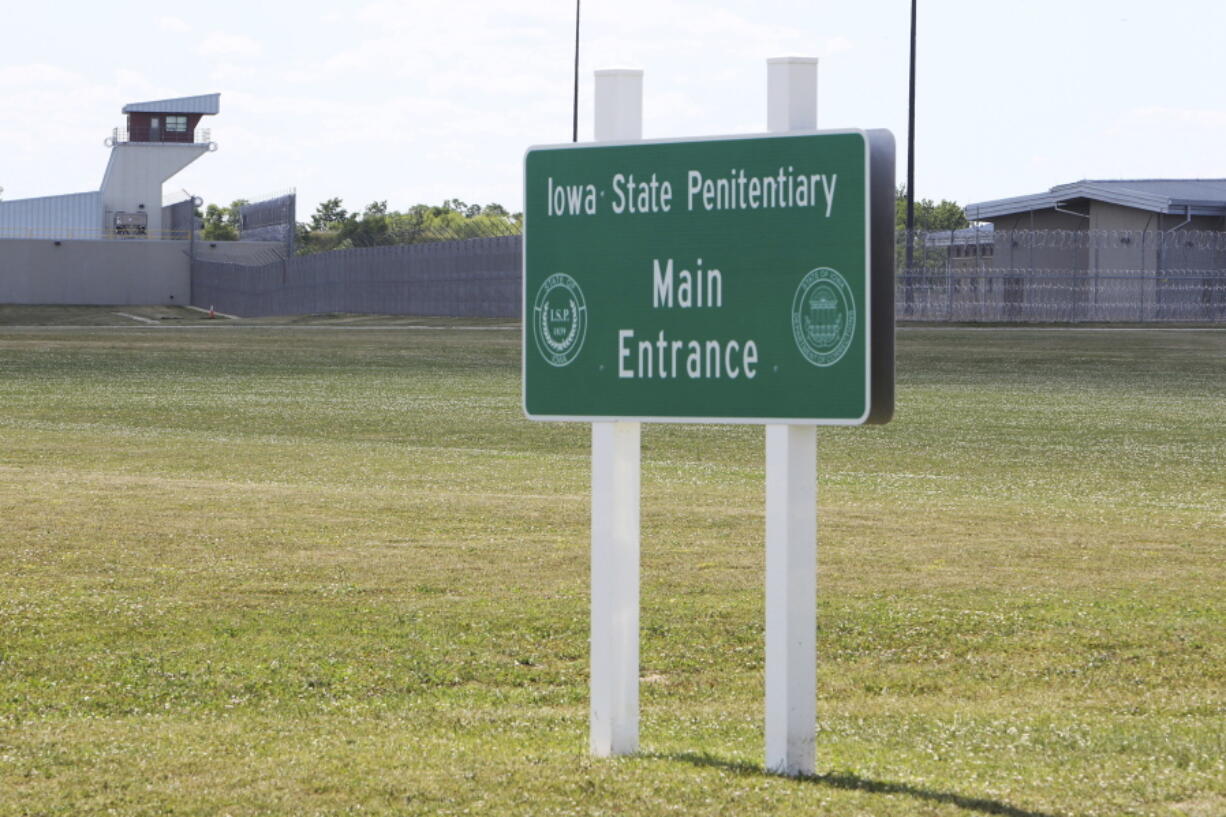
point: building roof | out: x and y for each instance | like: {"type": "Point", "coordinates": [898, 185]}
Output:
{"type": "Point", "coordinates": [1192, 197]}
{"type": "Point", "coordinates": [204, 104]}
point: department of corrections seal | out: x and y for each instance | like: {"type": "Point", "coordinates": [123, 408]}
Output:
{"type": "Point", "coordinates": [559, 319]}
{"type": "Point", "coordinates": [823, 317]}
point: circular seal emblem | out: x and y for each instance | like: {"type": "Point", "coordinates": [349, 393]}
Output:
{"type": "Point", "coordinates": [823, 317]}
{"type": "Point", "coordinates": [559, 319]}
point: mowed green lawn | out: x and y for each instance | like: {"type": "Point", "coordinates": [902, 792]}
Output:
{"type": "Point", "coordinates": [294, 570]}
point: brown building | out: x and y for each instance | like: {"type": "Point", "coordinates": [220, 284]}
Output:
{"type": "Point", "coordinates": [1143, 225]}
{"type": "Point", "coordinates": [168, 120]}
{"type": "Point", "coordinates": [1126, 250]}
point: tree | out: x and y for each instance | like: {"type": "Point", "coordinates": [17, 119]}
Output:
{"type": "Point", "coordinates": [368, 230]}
{"type": "Point", "coordinates": [929, 216]}
{"type": "Point", "coordinates": [222, 223]}
{"type": "Point", "coordinates": [466, 210]}
{"type": "Point", "coordinates": [328, 215]}
{"type": "Point", "coordinates": [333, 228]}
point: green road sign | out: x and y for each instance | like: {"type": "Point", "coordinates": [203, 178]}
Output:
{"type": "Point", "coordinates": [741, 279]}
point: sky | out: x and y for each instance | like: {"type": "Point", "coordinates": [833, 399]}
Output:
{"type": "Point", "coordinates": [410, 101]}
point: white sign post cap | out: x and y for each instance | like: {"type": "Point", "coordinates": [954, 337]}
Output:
{"type": "Point", "coordinates": [619, 104]}
{"type": "Point", "coordinates": [791, 94]}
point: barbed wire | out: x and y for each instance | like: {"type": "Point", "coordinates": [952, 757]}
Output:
{"type": "Point", "coordinates": [1068, 239]}
{"type": "Point", "coordinates": [1060, 273]}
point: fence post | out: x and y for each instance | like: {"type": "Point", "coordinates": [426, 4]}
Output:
{"type": "Point", "coordinates": [949, 278]}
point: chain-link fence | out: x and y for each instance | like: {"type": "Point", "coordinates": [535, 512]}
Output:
{"type": "Point", "coordinates": [1060, 276]}
{"type": "Point", "coordinates": [973, 275]}
{"type": "Point", "coordinates": [270, 218]}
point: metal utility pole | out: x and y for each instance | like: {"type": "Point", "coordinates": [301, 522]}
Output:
{"type": "Point", "coordinates": [575, 107]}
{"type": "Point", "coordinates": [911, 154]}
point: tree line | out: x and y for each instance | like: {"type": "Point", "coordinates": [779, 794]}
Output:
{"type": "Point", "coordinates": [332, 227]}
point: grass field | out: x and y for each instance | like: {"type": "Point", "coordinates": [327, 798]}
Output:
{"type": "Point", "coordinates": [298, 570]}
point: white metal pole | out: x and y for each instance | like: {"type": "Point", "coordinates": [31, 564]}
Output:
{"type": "Point", "coordinates": [614, 713]}
{"type": "Point", "coordinates": [791, 512]}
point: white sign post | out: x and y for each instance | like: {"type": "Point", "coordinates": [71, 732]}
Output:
{"type": "Point", "coordinates": [791, 444]}
{"type": "Point", "coordinates": [614, 713]}
{"type": "Point", "coordinates": [791, 512]}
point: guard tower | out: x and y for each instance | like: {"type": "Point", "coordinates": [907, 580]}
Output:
{"type": "Point", "coordinates": [160, 138]}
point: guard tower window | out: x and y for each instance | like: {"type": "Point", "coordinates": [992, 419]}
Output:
{"type": "Point", "coordinates": [176, 124]}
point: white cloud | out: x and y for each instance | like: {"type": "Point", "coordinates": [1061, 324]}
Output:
{"type": "Point", "coordinates": [415, 101]}
{"type": "Point", "coordinates": [221, 44]}
{"type": "Point", "coordinates": [1199, 117]}
{"type": "Point", "coordinates": [450, 95]}
{"type": "Point", "coordinates": [53, 147]}
{"type": "Point", "coordinates": [134, 84]}
{"type": "Point", "coordinates": [35, 74]}
{"type": "Point", "coordinates": [836, 45]}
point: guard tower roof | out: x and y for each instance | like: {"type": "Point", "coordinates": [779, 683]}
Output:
{"type": "Point", "coordinates": [204, 104]}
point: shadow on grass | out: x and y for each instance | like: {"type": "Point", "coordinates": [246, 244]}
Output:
{"type": "Point", "coordinates": [854, 782]}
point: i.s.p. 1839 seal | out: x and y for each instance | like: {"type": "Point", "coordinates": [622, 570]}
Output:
{"type": "Point", "coordinates": [559, 319]}
{"type": "Point", "coordinates": [823, 317]}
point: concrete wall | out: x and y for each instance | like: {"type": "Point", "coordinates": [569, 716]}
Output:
{"type": "Point", "coordinates": [240, 252]}
{"type": "Point", "coordinates": [1138, 255]}
{"type": "Point", "coordinates": [134, 176]}
{"type": "Point", "coordinates": [94, 272]}
{"type": "Point", "coordinates": [109, 272]}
